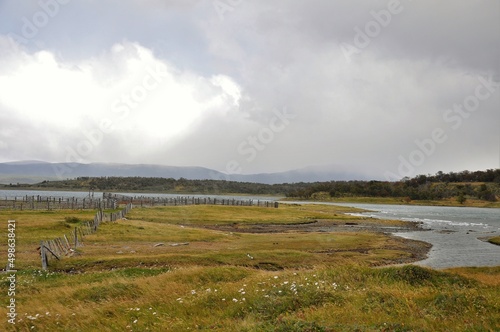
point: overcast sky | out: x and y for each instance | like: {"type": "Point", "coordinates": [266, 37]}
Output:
{"type": "Point", "coordinates": [386, 88]}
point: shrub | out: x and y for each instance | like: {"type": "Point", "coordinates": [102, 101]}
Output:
{"type": "Point", "coordinates": [72, 220]}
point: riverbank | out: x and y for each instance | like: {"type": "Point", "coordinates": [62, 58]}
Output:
{"type": "Point", "coordinates": [495, 240]}
{"type": "Point", "coordinates": [402, 201]}
{"type": "Point", "coordinates": [225, 268]}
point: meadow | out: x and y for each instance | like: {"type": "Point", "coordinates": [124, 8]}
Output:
{"type": "Point", "coordinates": [177, 268]}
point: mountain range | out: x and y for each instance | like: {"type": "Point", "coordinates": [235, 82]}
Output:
{"type": "Point", "coordinates": [30, 172]}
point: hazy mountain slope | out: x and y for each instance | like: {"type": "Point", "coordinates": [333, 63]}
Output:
{"type": "Point", "coordinates": [36, 171]}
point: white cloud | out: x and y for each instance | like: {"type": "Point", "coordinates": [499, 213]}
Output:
{"type": "Point", "coordinates": [220, 81]}
{"type": "Point", "coordinates": [146, 99]}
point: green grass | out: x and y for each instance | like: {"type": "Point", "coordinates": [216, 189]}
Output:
{"type": "Point", "coordinates": [210, 214]}
{"type": "Point", "coordinates": [327, 298]}
{"type": "Point", "coordinates": [402, 201]}
{"type": "Point", "coordinates": [123, 280]}
{"type": "Point", "coordinates": [495, 240]}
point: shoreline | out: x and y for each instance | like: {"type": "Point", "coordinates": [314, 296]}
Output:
{"type": "Point", "coordinates": [399, 201]}
{"type": "Point", "coordinates": [418, 250]}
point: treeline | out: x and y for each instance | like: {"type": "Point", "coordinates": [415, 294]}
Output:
{"type": "Point", "coordinates": [483, 185]}
{"type": "Point", "coordinates": [168, 185]}
{"type": "Point", "coordinates": [490, 175]}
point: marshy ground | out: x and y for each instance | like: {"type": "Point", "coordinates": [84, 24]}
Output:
{"type": "Point", "coordinates": [223, 268]}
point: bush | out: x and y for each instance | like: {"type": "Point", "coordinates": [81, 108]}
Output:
{"type": "Point", "coordinates": [72, 220]}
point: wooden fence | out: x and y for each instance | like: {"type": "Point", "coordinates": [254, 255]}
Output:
{"type": "Point", "coordinates": [67, 244]}
{"type": "Point", "coordinates": [186, 200]}
{"type": "Point", "coordinates": [56, 203]}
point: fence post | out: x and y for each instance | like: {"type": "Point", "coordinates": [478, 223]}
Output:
{"type": "Point", "coordinates": [68, 246]}
{"type": "Point", "coordinates": [76, 237]}
{"type": "Point", "coordinates": [43, 254]}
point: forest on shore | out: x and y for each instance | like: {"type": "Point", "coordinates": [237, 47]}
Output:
{"type": "Point", "coordinates": [482, 185]}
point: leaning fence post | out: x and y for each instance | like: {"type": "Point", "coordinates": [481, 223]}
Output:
{"type": "Point", "coordinates": [68, 246]}
{"type": "Point", "coordinates": [43, 254]}
{"type": "Point", "coordinates": [76, 237]}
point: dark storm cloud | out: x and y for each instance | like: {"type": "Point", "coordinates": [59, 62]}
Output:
{"type": "Point", "coordinates": [367, 83]}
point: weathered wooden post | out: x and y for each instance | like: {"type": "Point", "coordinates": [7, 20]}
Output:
{"type": "Point", "coordinates": [76, 237]}
{"type": "Point", "coordinates": [68, 246]}
{"type": "Point", "coordinates": [43, 255]}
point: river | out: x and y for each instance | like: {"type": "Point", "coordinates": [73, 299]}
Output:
{"type": "Point", "coordinates": [457, 234]}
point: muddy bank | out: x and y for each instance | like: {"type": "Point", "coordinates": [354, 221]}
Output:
{"type": "Point", "coordinates": [322, 225]}
{"type": "Point", "coordinates": [417, 250]}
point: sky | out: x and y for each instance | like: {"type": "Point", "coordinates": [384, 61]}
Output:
{"type": "Point", "coordinates": [387, 89]}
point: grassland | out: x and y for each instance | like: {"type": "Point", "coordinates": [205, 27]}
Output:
{"type": "Point", "coordinates": [163, 270]}
{"type": "Point", "coordinates": [495, 240]}
{"type": "Point", "coordinates": [470, 202]}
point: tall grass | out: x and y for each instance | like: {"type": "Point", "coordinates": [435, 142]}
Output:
{"type": "Point", "coordinates": [128, 277]}
{"type": "Point", "coordinates": [326, 298]}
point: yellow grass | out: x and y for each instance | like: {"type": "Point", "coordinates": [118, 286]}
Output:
{"type": "Point", "coordinates": [122, 279]}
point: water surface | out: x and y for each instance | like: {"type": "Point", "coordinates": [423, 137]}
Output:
{"type": "Point", "coordinates": [457, 234]}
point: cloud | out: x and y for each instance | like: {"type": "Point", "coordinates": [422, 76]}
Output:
{"type": "Point", "coordinates": [182, 84]}
{"type": "Point", "coordinates": [126, 95]}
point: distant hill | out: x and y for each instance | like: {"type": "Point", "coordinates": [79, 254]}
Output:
{"type": "Point", "coordinates": [30, 172]}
